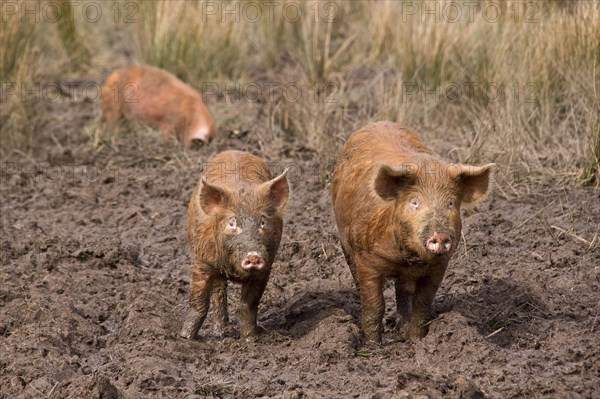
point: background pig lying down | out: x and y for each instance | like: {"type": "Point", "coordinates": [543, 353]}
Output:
{"type": "Point", "coordinates": [234, 229]}
{"type": "Point", "coordinates": [156, 98]}
{"type": "Point", "coordinates": [397, 208]}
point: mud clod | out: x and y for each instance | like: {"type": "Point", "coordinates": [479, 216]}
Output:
{"type": "Point", "coordinates": [104, 389]}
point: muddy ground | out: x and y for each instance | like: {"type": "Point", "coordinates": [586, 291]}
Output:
{"type": "Point", "coordinates": [95, 277]}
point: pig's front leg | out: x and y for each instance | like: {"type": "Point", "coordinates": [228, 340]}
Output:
{"type": "Point", "coordinates": [199, 302]}
{"type": "Point", "coordinates": [371, 302]}
{"type": "Point", "coordinates": [421, 304]}
{"type": "Point", "coordinates": [219, 305]}
{"type": "Point", "coordinates": [403, 304]}
{"type": "Point", "coordinates": [252, 292]}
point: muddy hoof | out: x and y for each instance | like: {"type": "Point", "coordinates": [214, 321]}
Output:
{"type": "Point", "coordinates": [412, 333]}
{"type": "Point", "coordinates": [187, 333]}
{"type": "Point", "coordinates": [191, 325]}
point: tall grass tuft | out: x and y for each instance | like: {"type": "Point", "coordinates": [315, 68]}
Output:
{"type": "Point", "coordinates": [34, 50]}
{"type": "Point", "coordinates": [185, 39]}
{"type": "Point", "coordinates": [71, 37]}
{"type": "Point", "coordinates": [590, 176]}
{"type": "Point", "coordinates": [16, 42]}
{"type": "Point", "coordinates": [16, 59]}
{"type": "Point", "coordinates": [315, 37]}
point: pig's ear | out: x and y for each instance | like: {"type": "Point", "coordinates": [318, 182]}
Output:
{"type": "Point", "coordinates": [475, 181]}
{"type": "Point", "coordinates": [211, 197]}
{"type": "Point", "coordinates": [389, 180]}
{"type": "Point", "coordinates": [278, 190]}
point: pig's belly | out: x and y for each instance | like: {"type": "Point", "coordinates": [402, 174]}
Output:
{"type": "Point", "coordinates": [408, 274]}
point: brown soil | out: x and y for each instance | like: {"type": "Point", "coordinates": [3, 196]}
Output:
{"type": "Point", "coordinates": [95, 276]}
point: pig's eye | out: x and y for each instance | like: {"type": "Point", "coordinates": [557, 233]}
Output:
{"type": "Point", "coordinates": [451, 204]}
{"type": "Point", "coordinates": [232, 223]}
{"type": "Point", "coordinates": [263, 223]}
{"type": "Point", "coordinates": [415, 203]}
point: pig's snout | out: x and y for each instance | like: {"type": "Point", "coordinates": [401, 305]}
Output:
{"type": "Point", "coordinates": [253, 261]}
{"type": "Point", "coordinates": [439, 243]}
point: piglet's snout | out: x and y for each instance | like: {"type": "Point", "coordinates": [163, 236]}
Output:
{"type": "Point", "coordinates": [439, 243]}
{"type": "Point", "coordinates": [253, 261]}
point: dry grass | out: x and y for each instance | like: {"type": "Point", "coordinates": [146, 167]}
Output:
{"type": "Point", "coordinates": [16, 41]}
{"type": "Point", "coordinates": [590, 175]}
{"type": "Point", "coordinates": [70, 35]}
{"type": "Point", "coordinates": [521, 90]}
{"type": "Point", "coordinates": [172, 35]}
{"type": "Point", "coordinates": [40, 42]}
{"type": "Point", "coordinates": [17, 55]}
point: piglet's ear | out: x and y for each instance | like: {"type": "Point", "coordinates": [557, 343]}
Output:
{"type": "Point", "coordinates": [212, 198]}
{"type": "Point", "coordinates": [277, 190]}
{"type": "Point", "coordinates": [475, 181]}
{"type": "Point", "coordinates": [389, 180]}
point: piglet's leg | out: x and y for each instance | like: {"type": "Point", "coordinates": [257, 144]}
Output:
{"type": "Point", "coordinates": [219, 304]}
{"type": "Point", "coordinates": [199, 303]}
{"type": "Point", "coordinates": [252, 292]}
{"type": "Point", "coordinates": [371, 302]}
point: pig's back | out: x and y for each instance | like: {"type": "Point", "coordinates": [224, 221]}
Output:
{"type": "Point", "coordinates": [150, 80]}
{"type": "Point", "coordinates": [158, 96]}
{"type": "Point", "coordinates": [386, 142]}
{"type": "Point", "coordinates": [234, 169]}
{"type": "Point", "coordinates": [374, 144]}
{"type": "Point", "coordinates": [152, 93]}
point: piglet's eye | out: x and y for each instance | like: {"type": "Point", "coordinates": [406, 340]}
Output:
{"type": "Point", "coordinates": [263, 223]}
{"type": "Point", "coordinates": [414, 203]}
{"type": "Point", "coordinates": [451, 204]}
{"type": "Point", "coordinates": [233, 223]}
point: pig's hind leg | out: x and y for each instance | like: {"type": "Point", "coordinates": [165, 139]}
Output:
{"type": "Point", "coordinates": [219, 305]}
{"type": "Point", "coordinates": [199, 302]}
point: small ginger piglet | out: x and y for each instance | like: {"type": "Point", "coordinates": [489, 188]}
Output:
{"type": "Point", "coordinates": [234, 230]}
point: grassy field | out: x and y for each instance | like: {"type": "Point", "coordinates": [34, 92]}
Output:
{"type": "Point", "coordinates": [511, 82]}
